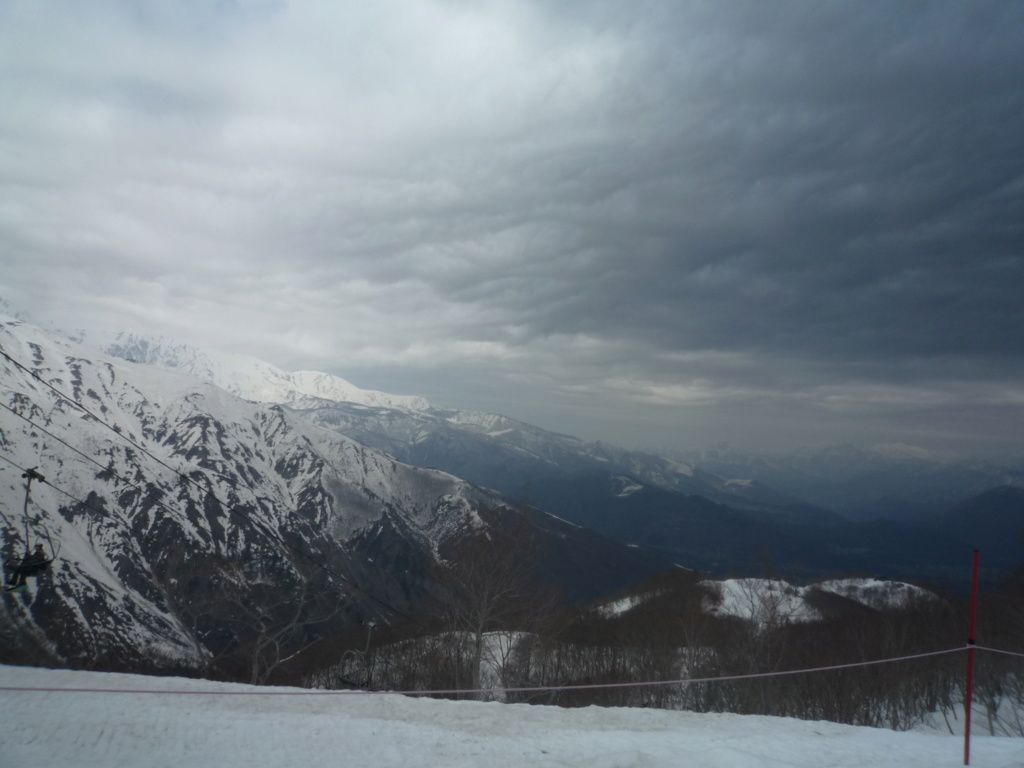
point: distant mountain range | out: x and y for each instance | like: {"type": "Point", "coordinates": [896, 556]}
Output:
{"type": "Point", "coordinates": [807, 513]}
{"type": "Point", "coordinates": [895, 481]}
{"type": "Point", "coordinates": [188, 461]}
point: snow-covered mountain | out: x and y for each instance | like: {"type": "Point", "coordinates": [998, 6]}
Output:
{"type": "Point", "coordinates": [169, 488]}
{"type": "Point", "coordinates": [404, 425]}
{"type": "Point", "coordinates": [519, 460]}
{"type": "Point", "coordinates": [251, 378]}
{"type": "Point", "coordinates": [723, 513]}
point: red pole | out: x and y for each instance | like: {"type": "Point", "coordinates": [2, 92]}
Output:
{"type": "Point", "coordinates": [969, 693]}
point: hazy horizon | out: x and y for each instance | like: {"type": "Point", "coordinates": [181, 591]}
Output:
{"type": "Point", "coordinates": [893, 449]}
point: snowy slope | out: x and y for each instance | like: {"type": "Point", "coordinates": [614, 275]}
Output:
{"type": "Point", "coordinates": [772, 600]}
{"type": "Point", "coordinates": [54, 728]}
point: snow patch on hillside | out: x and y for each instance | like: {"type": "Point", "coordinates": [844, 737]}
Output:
{"type": "Point", "coordinates": [764, 601]}
{"type": "Point", "coordinates": [767, 601]}
{"type": "Point", "coordinates": [626, 486]}
{"type": "Point", "coordinates": [622, 605]}
{"type": "Point", "coordinates": [876, 593]}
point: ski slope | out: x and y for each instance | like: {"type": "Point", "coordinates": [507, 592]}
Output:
{"type": "Point", "coordinates": [235, 725]}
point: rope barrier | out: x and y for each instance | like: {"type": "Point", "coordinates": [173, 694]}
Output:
{"type": "Point", "coordinates": [535, 689]}
{"type": "Point", "coordinates": [997, 650]}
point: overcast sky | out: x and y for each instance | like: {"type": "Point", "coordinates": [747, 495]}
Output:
{"type": "Point", "coordinates": [660, 224]}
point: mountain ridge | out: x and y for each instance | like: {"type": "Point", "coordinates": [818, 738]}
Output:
{"type": "Point", "coordinates": [686, 506]}
{"type": "Point", "coordinates": [418, 432]}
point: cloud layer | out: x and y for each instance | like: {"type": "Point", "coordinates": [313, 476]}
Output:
{"type": "Point", "coordinates": [654, 223]}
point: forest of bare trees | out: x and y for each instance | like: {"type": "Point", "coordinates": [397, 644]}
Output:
{"type": "Point", "coordinates": [489, 629]}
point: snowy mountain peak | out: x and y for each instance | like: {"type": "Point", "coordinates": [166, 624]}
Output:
{"type": "Point", "coordinates": [328, 387]}
{"type": "Point", "coordinates": [251, 378]}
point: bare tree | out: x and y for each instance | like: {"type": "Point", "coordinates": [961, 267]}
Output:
{"type": "Point", "coordinates": [487, 585]}
{"type": "Point", "coordinates": [253, 623]}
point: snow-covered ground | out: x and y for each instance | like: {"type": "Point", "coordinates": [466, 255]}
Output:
{"type": "Point", "coordinates": [221, 728]}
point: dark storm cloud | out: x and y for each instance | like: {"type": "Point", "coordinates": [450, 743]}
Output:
{"type": "Point", "coordinates": [850, 186]}
{"type": "Point", "coordinates": [699, 217]}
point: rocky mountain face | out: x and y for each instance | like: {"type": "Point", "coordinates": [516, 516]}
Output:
{"type": "Point", "coordinates": [173, 507]}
